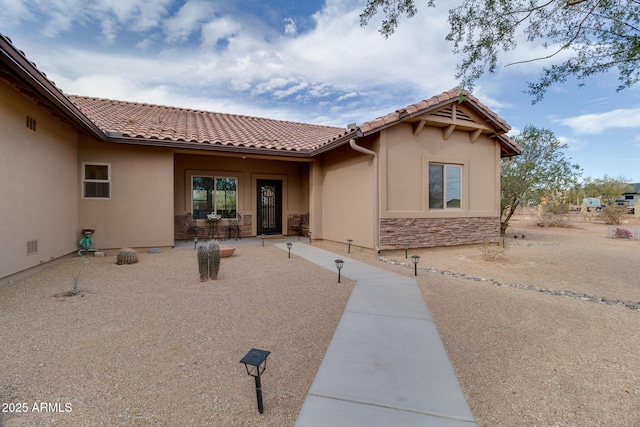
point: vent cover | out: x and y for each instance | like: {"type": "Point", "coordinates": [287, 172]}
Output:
{"type": "Point", "coordinates": [31, 123]}
{"type": "Point", "coordinates": [32, 247]}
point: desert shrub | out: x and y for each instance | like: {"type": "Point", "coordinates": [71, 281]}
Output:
{"type": "Point", "coordinates": [491, 250]}
{"type": "Point", "coordinates": [553, 215]}
{"type": "Point", "coordinates": [613, 215]}
{"type": "Point", "coordinates": [622, 233]}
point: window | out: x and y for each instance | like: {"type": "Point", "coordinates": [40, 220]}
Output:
{"type": "Point", "coordinates": [445, 186]}
{"type": "Point", "coordinates": [214, 194]}
{"type": "Point", "coordinates": [96, 180]}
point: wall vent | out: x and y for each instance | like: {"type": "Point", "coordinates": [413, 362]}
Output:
{"type": "Point", "coordinates": [32, 247]}
{"type": "Point", "coordinates": [31, 123]}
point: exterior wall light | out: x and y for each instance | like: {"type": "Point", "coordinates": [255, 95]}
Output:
{"type": "Point", "coordinates": [415, 259]}
{"type": "Point", "coordinates": [339, 264]}
{"type": "Point", "coordinates": [289, 244]}
{"type": "Point", "coordinates": [256, 362]}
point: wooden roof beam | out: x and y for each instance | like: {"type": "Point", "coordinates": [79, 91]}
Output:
{"type": "Point", "coordinates": [446, 132]}
{"type": "Point", "coordinates": [418, 126]}
{"type": "Point", "coordinates": [475, 135]}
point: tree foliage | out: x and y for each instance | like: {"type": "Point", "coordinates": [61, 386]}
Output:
{"type": "Point", "coordinates": [542, 170]}
{"type": "Point", "coordinates": [607, 188]}
{"type": "Point", "coordinates": [594, 36]}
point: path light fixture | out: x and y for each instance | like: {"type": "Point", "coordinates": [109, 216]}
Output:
{"type": "Point", "coordinates": [263, 236]}
{"type": "Point", "coordinates": [339, 264]}
{"type": "Point", "coordinates": [349, 242]}
{"type": "Point", "coordinates": [289, 244]}
{"type": "Point", "coordinates": [256, 362]}
{"type": "Point", "coordinates": [309, 237]}
{"type": "Point", "coordinates": [406, 250]}
{"type": "Point", "coordinates": [415, 259]}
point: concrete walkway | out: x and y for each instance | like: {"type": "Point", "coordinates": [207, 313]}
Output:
{"type": "Point", "coordinates": [385, 365]}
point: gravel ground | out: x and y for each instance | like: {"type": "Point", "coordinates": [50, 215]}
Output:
{"type": "Point", "coordinates": [148, 344]}
{"type": "Point", "coordinates": [531, 358]}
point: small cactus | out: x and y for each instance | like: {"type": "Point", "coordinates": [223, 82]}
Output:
{"type": "Point", "coordinates": [208, 260]}
{"type": "Point", "coordinates": [127, 256]}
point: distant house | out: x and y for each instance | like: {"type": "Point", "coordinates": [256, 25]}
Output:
{"type": "Point", "coordinates": [426, 175]}
{"type": "Point", "coordinates": [632, 194]}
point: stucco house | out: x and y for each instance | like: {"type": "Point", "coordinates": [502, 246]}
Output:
{"type": "Point", "coordinates": [427, 174]}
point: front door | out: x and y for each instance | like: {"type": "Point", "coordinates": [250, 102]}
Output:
{"type": "Point", "coordinates": [269, 205]}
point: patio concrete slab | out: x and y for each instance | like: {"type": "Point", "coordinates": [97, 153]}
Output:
{"type": "Point", "coordinates": [385, 364]}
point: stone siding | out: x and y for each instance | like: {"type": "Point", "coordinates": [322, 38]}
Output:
{"type": "Point", "coordinates": [429, 232]}
{"type": "Point", "coordinates": [292, 224]}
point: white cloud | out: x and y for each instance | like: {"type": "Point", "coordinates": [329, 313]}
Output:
{"type": "Point", "coordinates": [219, 29]}
{"type": "Point", "coordinates": [188, 20]}
{"type": "Point", "coordinates": [290, 28]}
{"type": "Point", "coordinates": [588, 124]}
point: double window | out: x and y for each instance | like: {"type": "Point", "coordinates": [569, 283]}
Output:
{"type": "Point", "coordinates": [96, 180]}
{"type": "Point", "coordinates": [445, 188]}
{"type": "Point", "coordinates": [214, 194]}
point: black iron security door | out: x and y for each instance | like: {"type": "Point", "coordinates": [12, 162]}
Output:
{"type": "Point", "coordinates": [269, 204]}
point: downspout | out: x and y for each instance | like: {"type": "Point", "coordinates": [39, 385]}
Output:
{"type": "Point", "coordinates": [376, 210]}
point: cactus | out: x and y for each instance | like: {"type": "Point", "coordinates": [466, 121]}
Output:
{"type": "Point", "coordinates": [208, 260]}
{"type": "Point", "coordinates": [127, 256]}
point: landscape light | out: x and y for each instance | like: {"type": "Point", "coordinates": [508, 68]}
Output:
{"type": "Point", "coordinates": [256, 362]}
{"type": "Point", "coordinates": [339, 264]}
{"type": "Point", "coordinates": [415, 259]}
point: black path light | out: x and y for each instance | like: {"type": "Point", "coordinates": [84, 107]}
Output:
{"type": "Point", "coordinates": [256, 362]}
{"type": "Point", "coordinates": [289, 244]}
{"type": "Point", "coordinates": [339, 264]}
{"type": "Point", "coordinates": [415, 259]}
{"type": "Point", "coordinates": [349, 242]}
{"type": "Point", "coordinates": [406, 249]}
{"type": "Point", "coordinates": [309, 235]}
{"type": "Point", "coordinates": [263, 236]}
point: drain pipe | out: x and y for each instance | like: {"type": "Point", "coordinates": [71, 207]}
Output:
{"type": "Point", "coordinates": [376, 210]}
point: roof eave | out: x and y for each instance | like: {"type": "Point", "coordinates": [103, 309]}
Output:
{"type": "Point", "coordinates": [200, 146]}
{"type": "Point", "coordinates": [27, 72]}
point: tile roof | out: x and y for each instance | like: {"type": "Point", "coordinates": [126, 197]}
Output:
{"type": "Point", "coordinates": [103, 118]}
{"type": "Point", "coordinates": [137, 120]}
{"type": "Point", "coordinates": [432, 104]}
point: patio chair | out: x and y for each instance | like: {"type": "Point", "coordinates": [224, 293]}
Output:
{"type": "Point", "coordinates": [300, 226]}
{"type": "Point", "coordinates": [192, 226]}
{"type": "Point", "coordinates": [234, 224]}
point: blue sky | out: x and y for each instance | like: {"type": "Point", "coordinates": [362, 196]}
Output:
{"type": "Point", "coordinates": [307, 61]}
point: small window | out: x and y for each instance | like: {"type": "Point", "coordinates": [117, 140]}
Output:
{"type": "Point", "coordinates": [445, 188]}
{"type": "Point", "coordinates": [96, 180]}
{"type": "Point", "coordinates": [214, 194]}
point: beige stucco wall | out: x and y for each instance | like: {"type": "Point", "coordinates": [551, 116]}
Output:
{"type": "Point", "coordinates": [38, 184]}
{"type": "Point", "coordinates": [404, 165]}
{"type": "Point", "coordinates": [140, 211]}
{"type": "Point", "coordinates": [294, 175]}
{"type": "Point", "coordinates": [348, 196]}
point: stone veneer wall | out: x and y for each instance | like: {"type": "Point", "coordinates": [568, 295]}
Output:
{"type": "Point", "coordinates": [180, 228]}
{"type": "Point", "coordinates": [292, 222]}
{"type": "Point", "coordinates": [428, 232]}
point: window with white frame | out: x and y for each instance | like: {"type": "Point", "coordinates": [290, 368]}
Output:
{"type": "Point", "coordinates": [96, 180]}
{"type": "Point", "coordinates": [214, 194]}
{"type": "Point", "coordinates": [445, 186]}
